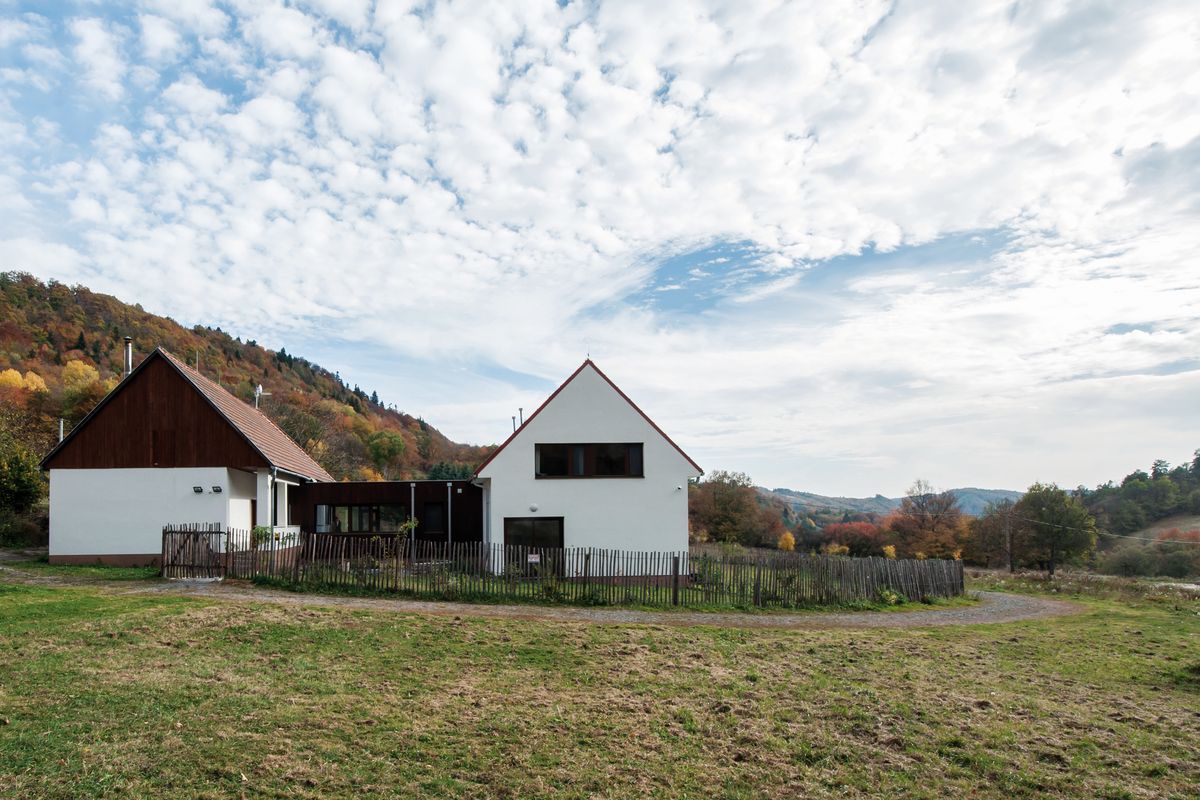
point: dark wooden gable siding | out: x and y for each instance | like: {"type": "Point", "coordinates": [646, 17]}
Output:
{"type": "Point", "coordinates": [158, 419]}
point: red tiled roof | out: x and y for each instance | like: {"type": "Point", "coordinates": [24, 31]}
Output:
{"type": "Point", "coordinates": [277, 447]}
{"type": "Point", "coordinates": [588, 363]}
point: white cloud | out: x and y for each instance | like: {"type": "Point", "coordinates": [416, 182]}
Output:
{"type": "Point", "coordinates": [200, 17]}
{"type": "Point", "coordinates": [488, 186]}
{"type": "Point", "coordinates": [97, 50]}
{"type": "Point", "coordinates": [160, 40]}
{"type": "Point", "coordinates": [192, 96]}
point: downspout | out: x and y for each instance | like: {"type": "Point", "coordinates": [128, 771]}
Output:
{"type": "Point", "coordinates": [449, 512]}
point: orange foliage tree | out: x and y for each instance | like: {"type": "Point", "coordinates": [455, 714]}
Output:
{"type": "Point", "coordinates": [929, 523]}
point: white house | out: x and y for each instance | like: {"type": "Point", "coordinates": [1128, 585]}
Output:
{"type": "Point", "coordinates": [588, 469]}
{"type": "Point", "coordinates": [168, 446]}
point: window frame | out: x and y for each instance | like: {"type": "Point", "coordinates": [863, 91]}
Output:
{"type": "Point", "coordinates": [581, 460]}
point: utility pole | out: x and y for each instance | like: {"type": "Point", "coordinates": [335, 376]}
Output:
{"type": "Point", "coordinates": [1008, 537]}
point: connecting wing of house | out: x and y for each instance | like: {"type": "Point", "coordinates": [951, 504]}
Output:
{"type": "Point", "coordinates": [167, 445]}
{"type": "Point", "coordinates": [588, 469]}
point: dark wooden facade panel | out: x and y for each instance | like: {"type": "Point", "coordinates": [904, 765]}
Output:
{"type": "Point", "coordinates": [157, 420]}
{"type": "Point", "coordinates": [465, 515]}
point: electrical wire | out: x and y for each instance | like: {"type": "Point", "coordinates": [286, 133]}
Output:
{"type": "Point", "coordinates": [1106, 533]}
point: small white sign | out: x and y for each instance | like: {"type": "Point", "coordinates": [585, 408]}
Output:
{"type": "Point", "coordinates": [535, 558]}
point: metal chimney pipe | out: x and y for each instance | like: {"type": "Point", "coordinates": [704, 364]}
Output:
{"type": "Point", "coordinates": [514, 424]}
{"type": "Point", "coordinates": [521, 412]}
{"type": "Point", "coordinates": [128, 356]}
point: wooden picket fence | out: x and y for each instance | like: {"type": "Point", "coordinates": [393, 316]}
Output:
{"type": "Point", "coordinates": [193, 551]}
{"type": "Point", "coordinates": [475, 570]}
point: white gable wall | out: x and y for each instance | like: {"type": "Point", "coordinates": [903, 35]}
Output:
{"type": "Point", "coordinates": [648, 513]}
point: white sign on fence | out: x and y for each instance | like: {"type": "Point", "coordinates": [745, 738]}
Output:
{"type": "Point", "coordinates": [535, 558]}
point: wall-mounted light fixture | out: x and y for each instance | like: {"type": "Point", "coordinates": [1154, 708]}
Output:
{"type": "Point", "coordinates": [216, 490]}
{"type": "Point", "coordinates": [198, 489]}
{"type": "Point", "coordinates": [533, 506]}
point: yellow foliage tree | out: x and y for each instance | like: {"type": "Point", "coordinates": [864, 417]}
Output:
{"type": "Point", "coordinates": [834, 549]}
{"type": "Point", "coordinates": [889, 551]}
{"type": "Point", "coordinates": [367, 474]}
{"type": "Point", "coordinates": [786, 541]}
{"type": "Point", "coordinates": [34, 382]}
{"type": "Point", "coordinates": [77, 375]}
{"type": "Point", "coordinates": [11, 379]}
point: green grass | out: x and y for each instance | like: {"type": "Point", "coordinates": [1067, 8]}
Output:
{"type": "Point", "coordinates": [109, 694]}
{"type": "Point", "coordinates": [87, 572]}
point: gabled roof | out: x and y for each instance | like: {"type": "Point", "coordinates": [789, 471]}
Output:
{"type": "Point", "coordinates": [279, 449]}
{"type": "Point", "coordinates": [276, 447]}
{"type": "Point", "coordinates": [588, 363]}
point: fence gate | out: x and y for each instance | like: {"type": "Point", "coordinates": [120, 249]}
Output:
{"type": "Point", "coordinates": [193, 551]}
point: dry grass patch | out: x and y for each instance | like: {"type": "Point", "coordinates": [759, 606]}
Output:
{"type": "Point", "coordinates": [112, 694]}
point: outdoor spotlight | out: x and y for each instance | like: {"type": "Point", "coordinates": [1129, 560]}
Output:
{"type": "Point", "coordinates": [198, 489]}
{"type": "Point", "coordinates": [216, 490]}
{"type": "Point", "coordinates": [533, 507]}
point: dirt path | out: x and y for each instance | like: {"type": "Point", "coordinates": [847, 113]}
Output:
{"type": "Point", "coordinates": [993, 607]}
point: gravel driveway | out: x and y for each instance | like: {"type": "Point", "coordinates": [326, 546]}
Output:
{"type": "Point", "coordinates": [993, 607]}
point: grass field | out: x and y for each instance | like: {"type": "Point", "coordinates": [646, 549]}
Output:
{"type": "Point", "coordinates": [110, 694]}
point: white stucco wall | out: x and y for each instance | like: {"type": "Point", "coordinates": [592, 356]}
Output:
{"type": "Point", "coordinates": [648, 513]}
{"type": "Point", "coordinates": [242, 488]}
{"type": "Point", "coordinates": [123, 511]}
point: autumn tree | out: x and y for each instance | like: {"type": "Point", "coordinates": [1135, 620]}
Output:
{"type": "Point", "coordinates": [929, 523]}
{"type": "Point", "coordinates": [726, 508]}
{"type": "Point", "coordinates": [1053, 527]}
{"type": "Point", "coordinates": [859, 538]}
{"type": "Point", "coordinates": [991, 535]}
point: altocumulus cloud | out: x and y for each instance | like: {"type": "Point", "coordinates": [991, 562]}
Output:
{"type": "Point", "coordinates": [838, 245]}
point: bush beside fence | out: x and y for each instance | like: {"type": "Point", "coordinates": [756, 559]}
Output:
{"type": "Point", "coordinates": [474, 570]}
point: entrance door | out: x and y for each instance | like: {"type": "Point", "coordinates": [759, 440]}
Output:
{"type": "Point", "coordinates": [433, 522]}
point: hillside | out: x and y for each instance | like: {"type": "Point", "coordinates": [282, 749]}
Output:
{"type": "Point", "coordinates": [61, 351]}
{"type": "Point", "coordinates": [1183, 523]}
{"type": "Point", "coordinates": [972, 501]}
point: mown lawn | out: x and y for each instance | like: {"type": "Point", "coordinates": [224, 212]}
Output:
{"type": "Point", "coordinates": [86, 572]}
{"type": "Point", "coordinates": [106, 693]}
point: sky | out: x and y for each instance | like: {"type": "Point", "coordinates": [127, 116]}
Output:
{"type": "Point", "coordinates": [838, 246]}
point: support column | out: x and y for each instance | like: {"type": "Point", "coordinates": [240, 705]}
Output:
{"type": "Point", "coordinates": [265, 502]}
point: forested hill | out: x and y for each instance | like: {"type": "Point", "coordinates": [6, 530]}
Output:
{"type": "Point", "coordinates": [971, 501]}
{"type": "Point", "coordinates": [61, 351]}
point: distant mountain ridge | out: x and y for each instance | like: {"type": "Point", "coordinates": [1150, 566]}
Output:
{"type": "Point", "coordinates": [970, 499]}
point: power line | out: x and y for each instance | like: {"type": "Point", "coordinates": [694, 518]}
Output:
{"type": "Point", "coordinates": [1105, 533]}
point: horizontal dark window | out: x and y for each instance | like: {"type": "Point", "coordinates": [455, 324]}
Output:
{"type": "Point", "coordinates": [361, 519]}
{"type": "Point", "coordinates": [595, 460]}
